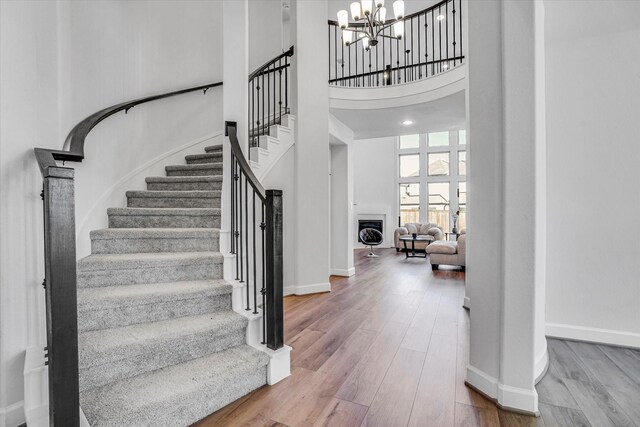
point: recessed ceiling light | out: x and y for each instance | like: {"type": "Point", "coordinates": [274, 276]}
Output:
{"type": "Point", "coordinates": [440, 17]}
{"type": "Point", "coordinates": [407, 122]}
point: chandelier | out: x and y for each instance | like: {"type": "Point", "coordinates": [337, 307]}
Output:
{"type": "Point", "coordinates": [373, 22]}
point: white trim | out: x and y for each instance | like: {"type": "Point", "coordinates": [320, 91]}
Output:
{"type": "Point", "coordinates": [313, 288]}
{"type": "Point", "coordinates": [520, 399]}
{"type": "Point", "coordinates": [484, 383]}
{"type": "Point", "coordinates": [467, 303]}
{"type": "Point", "coordinates": [279, 364]}
{"type": "Point", "coordinates": [342, 272]}
{"type": "Point", "coordinates": [141, 169]}
{"type": "Point", "coordinates": [541, 365]}
{"type": "Point", "coordinates": [602, 336]}
{"type": "Point", "coordinates": [12, 415]}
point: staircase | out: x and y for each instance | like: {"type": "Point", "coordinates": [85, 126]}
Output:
{"type": "Point", "coordinates": [159, 343]}
{"type": "Point", "coordinates": [270, 144]}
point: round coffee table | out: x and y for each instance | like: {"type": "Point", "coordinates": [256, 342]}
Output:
{"type": "Point", "coordinates": [413, 241]}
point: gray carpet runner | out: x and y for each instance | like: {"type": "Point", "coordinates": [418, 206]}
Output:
{"type": "Point", "coordinates": [159, 344]}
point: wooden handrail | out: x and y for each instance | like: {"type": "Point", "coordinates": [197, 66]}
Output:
{"type": "Point", "coordinates": [75, 140]}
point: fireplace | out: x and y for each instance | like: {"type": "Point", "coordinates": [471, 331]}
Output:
{"type": "Point", "coordinates": [376, 224]}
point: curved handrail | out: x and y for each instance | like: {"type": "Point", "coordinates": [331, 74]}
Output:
{"type": "Point", "coordinates": [75, 140]}
{"type": "Point", "coordinates": [260, 69]}
{"type": "Point", "coordinates": [231, 130]}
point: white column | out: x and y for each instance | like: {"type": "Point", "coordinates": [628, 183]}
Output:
{"type": "Point", "coordinates": [235, 60]}
{"type": "Point", "coordinates": [505, 250]}
{"type": "Point", "coordinates": [310, 101]}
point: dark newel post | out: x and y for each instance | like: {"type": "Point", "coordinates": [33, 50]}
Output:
{"type": "Point", "coordinates": [274, 309]}
{"type": "Point", "coordinates": [60, 285]}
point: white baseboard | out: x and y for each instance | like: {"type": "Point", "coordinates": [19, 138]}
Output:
{"type": "Point", "coordinates": [313, 288]}
{"type": "Point", "coordinates": [514, 398]}
{"type": "Point", "coordinates": [12, 415]}
{"type": "Point", "coordinates": [542, 364]}
{"type": "Point", "coordinates": [342, 272]}
{"type": "Point", "coordinates": [601, 336]}
{"type": "Point", "coordinates": [289, 290]}
{"type": "Point", "coordinates": [482, 382]}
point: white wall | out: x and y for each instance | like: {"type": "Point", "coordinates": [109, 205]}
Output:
{"type": "Point", "coordinates": [374, 166]}
{"type": "Point", "coordinates": [593, 105]}
{"type": "Point", "coordinates": [265, 31]}
{"type": "Point", "coordinates": [60, 62]}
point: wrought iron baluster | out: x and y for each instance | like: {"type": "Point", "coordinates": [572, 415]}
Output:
{"type": "Point", "coordinates": [246, 234]}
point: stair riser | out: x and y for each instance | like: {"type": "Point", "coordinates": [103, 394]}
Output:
{"type": "Point", "coordinates": [195, 172]}
{"type": "Point", "coordinates": [136, 246]}
{"type": "Point", "coordinates": [136, 360]}
{"type": "Point", "coordinates": [173, 202]}
{"type": "Point", "coordinates": [200, 161]}
{"type": "Point", "coordinates": [91, 317]}
{"type": "Point", "coordinates": [204, 270]}
{"type": "Point", "coordinates": [164, 221]}
{"type": "Point", "coordinates": [184, 186]}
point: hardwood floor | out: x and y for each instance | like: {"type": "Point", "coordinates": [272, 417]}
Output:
{"type": "Point", "coordinates": [388, 347]}
{"type": "Point", "coordinates": [590, 385]}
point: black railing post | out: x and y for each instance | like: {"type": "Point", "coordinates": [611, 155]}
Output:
{"type": "Point", "coordinates": [61, 296]}
{"type": "Point", "coordinates": [274, 284]}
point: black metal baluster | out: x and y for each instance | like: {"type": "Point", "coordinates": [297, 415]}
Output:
{"type": "Point", "coordinates": [335, 51]}
{"type": "Point", "coordinates": [255, 282]}
{"type": "Point", "coordinates": [439, 42]}
{"type": "Point", "coordinates": [263, 291]}
{"type": "Point", "coordinates": [280, 89]}
{"type": "Point", "coordinates": [369, 67]}
{"type": "Point", "coordinates": [342, 53]}
{"type": "Point", "coordinates": [349, 49]}
{"type": "Point", "coordinates": [418, 36]}
{"type": "Point", "coordinates": [286, 84]}
{"type": "Point", "coordinates": [240, 253]}
{"type": "Point", "coordinates": [329, 58]}
{"type": "Point", "coordinates": [363, 72]}
{"type": "Point", "coordinates": [398, 59]}
{"type": "Point", "coordinates": [426, 47]}
{"type": "Point", "coordinates": [232, 169]}
{"type": "Point", "coordinates": [405, 51]}
{"type": "Point", "coordinates": [453, 12]}
{"type": "Point", "coordinates": [267, 123]}
{"type": "Point", "coordinates": [433, 45]}
{"type": "Point", "coordinates": [446, 11]}
{"type": "Point", "coordinates": [412, 53]}
{"type": "Point", "coordinates": [246, 234]}
{"type": "Point", "coordinates": [383, 61]}
{"type": "Point", "coordinates": [461, 38]}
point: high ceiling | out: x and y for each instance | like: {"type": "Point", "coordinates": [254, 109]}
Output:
{"type": "Point", "coordinates": [446, 113]}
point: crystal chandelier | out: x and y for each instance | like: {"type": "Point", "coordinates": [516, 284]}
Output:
{"type": "Point", "coordinates": [373, 22]}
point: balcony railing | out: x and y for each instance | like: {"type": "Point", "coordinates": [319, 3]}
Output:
{"type": "Point", "coordinates": [432, 44]}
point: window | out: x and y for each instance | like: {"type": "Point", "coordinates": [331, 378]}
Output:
{"type": "Point", "coordinates": [409, 141]}
{"type": "Point", "coordinates": [439, 139]}
{"type": "Point", "coordinates": [462, 162]}
{"type": "Point", "coordinates": [439, 204]}
{"type": "Point", "coordinates": [431, 178]}
{"type": "Point", "coordinates": [438, 164]}
{"type": "Point", "coordinates": [409, 203]}
{"type": "Point", "coordinates": [409, 165]}
{"type": "Point", "coordinates": [462, 137]}
{"type": "Point", "coordinates": [462, 205]}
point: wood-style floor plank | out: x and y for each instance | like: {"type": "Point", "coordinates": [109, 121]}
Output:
{"type": "Point", "coordinates": [393, 401]}
{"type": "Point", "coordinates": [471, 416]}
{"type": "Point", "coordinates": [625, 359]}
{"type": "Point", "coordinates": [557, 416]}
{"type": "Point", "coordinates": [597, 405]}
{"type": "Point", "coordinates": [434, 403]}
{"type": "Point", "coordinates": [341, 413]}
{"type": "Point", "coordinates": [512, 419]}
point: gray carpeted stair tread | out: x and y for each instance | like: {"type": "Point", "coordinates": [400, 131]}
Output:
{"type": "Point", "coordinates": [174, 199]}
{"type": "Point", "coordinates": [213, 157]}
{"type": "Point", "coordinates": [116, 306]}
{"type": "Point", "coordinates": [112, 354]}
{"type": "Point", "coordinates": [129, 261]}
{"type": "Point", "coordinates": [213, 148]}
{"type": "Point", "coordinates": [185, 183]}
{"type": "Point", "coordinates": [137, 268]}
{"type": "Point", "coordinates": [178, 395]}
{"type": "Point", "coordinates": [193, 194]}
{"type": "Point", "coordinates": [145, 240]}
{"type": "Point", "coordinates": [164, 217]}
{"type": "Point", "coordinates": [195, 170]}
